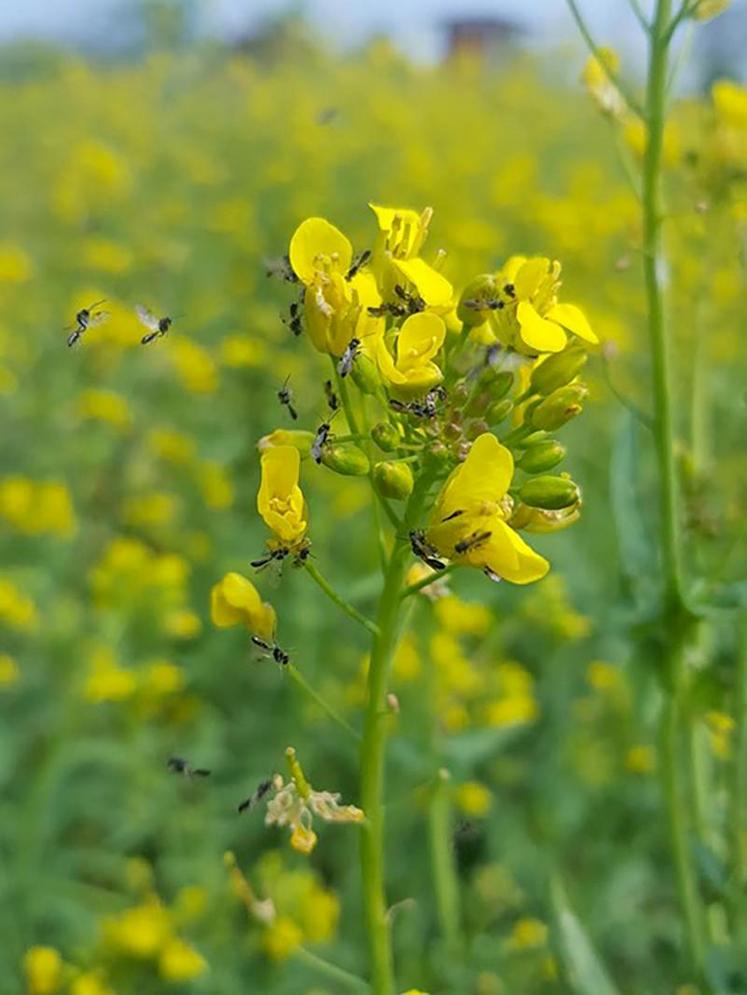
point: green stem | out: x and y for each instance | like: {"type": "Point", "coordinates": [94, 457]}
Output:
{"type": "Point", "coordinates": [297, 677]}
{"type": "Point", "coordinates": [331, 971]}
{"type": "Point", "coordinates": [372, 760]}
{"type": "Point", "coordinates": [674, 616]}
{"type": "Point", "coordinates": [738, 806]}
{"type": "Point", "coordinates": [442, 861]}
{"type": "Point", "coordinates": [332, 594]}
{"type": "Point", "coordinates": [612, 76]}
{"type": "Point", "coordinates": [427, 581]}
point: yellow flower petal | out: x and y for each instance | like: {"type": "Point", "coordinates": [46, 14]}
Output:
{"type": "Point", "coordinates": [420, 338]}
{"type": "Point", "coordinates": [531, 566]}
{"type": "Point", "coordinates": [280, 500]}
{"type": "Point", "coordinates": [537, 332]}
{"type": "Point", "coordinates": [234, 600]}
{"type": "Point", "coordinates": [385, 216]}
{"type": "Point", "coordinates": [432, 286]}
{"type": "Point", "coordinates": [483, 478]}
{"type": "Point", "coordinates": [529, 276]}
{"type": "Point", "coordinates": [315, 244]}
{"type": "Point", "coordinates": [574, 319]}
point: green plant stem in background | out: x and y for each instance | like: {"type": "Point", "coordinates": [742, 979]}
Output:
{"type": "Point", "coordinates": [427, 581]}
{"type": "Point", "coordinates": [738, 807]}
{"type": "Point", "coordinates": [332, 594]}
{"type": "Point", "coordinates": [674, 614]}
{"type": "Point", "coordinates": [445, 879]}
{"type": "Point", "coordinates": [297, 677]}
{"type": "Point", "coordinates": [351, 982]}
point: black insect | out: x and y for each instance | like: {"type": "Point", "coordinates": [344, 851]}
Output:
{"type": "Point", "coordinates": [320, 440]}
{"type": "Point", "coordinates": [256, 797]}
{"type": "Point", "coordinates": [181, 766]}
{"type": "Point", "coordinates": [410, 304]}
{"type": "Point", "coordinates": [158, 326]}
{"type": "Point", "coordinates": [281, 268]}
{"type": "Point", "coordinates": [272, 650]}
{"type": "Point", "coordinates": [358, 263]}
{"type": "Point", "coordinates": [294, 321]}
{"type": "Point", "coordinates": [285, 396]}
{"type": "Point", "coordinates": [332, 399]}
{"type": "Point", "coordinates": [453, 515]}
{"type": "Point", "coordinates": [485, 304]}
{"type": "Point", "coordinates": [510, 290]}
{"type": "Point", "coordinates": [274, 556]}
{"type": "Point", "coordinates": [424, 550]}
{"type": "Point", "coordinates": [426, 408]}
{"type": "Point", "coordinates": [86, 318]}
{"type": "Point", "coordinates": [347, 359]}
{"type": "Point", "coordinates": [472, 542]}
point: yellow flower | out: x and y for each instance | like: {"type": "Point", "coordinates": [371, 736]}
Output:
{"type": "Point", "coordinates": [640, 759]}
{"type": "Point", "coordinates": [90, 983]}
{"type": "Point", "coordinates": [106, 406]}
{"type": "Point", "coordinates": [468, 520]}
{"type": "Point", "coordinates": [43, 969]}
{"type": "Point", "coordinates": [402, 233]}
{"type": "Point", "coordinates": [194, 366]}
{"type": "Point", "coordinates": [179, 962]}
{"type": "Point", "coordinates": [473, 798]}
{"type": "Point", "coordinates": [527, 934]}
{"type": "Point", "coordinates": [16, 610]}
{"type": "Point", "coordinates": [107, 256]}
{"type": "Point", "coordinates": [142, 931]}
{"type": "Point", "coordinates": [170, 445]}
{"type": "Point", "coordinates": [106, 680]}
{"type": "Point", "coordinates": [531, 320]}
{"type": "Point", "coordinates": [413, 373]}
{"type": "Point", "coordinates": [9, 671]}
{"type": "Point", "coordinates": [335, 308]}
{"type": "Point", "coordinates": [730, 101]}
{"type": "Point", "coordinates": [281, 938]}
{"type": "Point", "coordinates": [234, 600]}
{"type": "Point", "coordinates": [182, 624]}
{"type": "Point", "coordinates": [280, 501]}
{"type": "Point", "coordinates": [215, 484]}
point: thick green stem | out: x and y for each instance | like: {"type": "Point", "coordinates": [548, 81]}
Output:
{"type": "Point", "coordinates": [738, 806]}
{"type": "Point", "coordinates": [373, 750]}
{"type": "Point", "coordinates": [674, 614]}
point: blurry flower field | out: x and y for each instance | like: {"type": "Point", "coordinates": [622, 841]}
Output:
{"type": "Point", "coordinates": [128, 480]}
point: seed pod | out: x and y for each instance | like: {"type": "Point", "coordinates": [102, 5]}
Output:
{"type": "Point", "coordinates": [365, 375]}
{"type": "Point", "coordinates": [385, 436]}
{"type": "Point", "coordinates": [482, 289]}
{"type": "Point", "coordinates": [498, 411]}
{"type": "Point", "coordinates": [542, 456]}
{"type": "Point", "coordinates": [346, 459]}
{"type": "Point", "coordinates": [560, 406]}
{"type": "Point", "coordinates": [393, 480]}
{"type": "Point", "coordinates": [550, 493]}
{"type": "Point", "coordinates": [557, 370]}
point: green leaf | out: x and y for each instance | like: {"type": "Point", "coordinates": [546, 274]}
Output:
{"type": "Point", "coordinates": [585, 971]}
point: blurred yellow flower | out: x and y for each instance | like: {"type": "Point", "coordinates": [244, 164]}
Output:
{"type": "Point", "coordinates": [106, 256]}
{"type": "Point", "coordinates": [155, 510]}
{"type": "Point", "coordinates": [106, 680]}
{"type": "Point", "coordinates": [194, 366]}
{"type": "Point", "coordinates": [235, 600]}
{"type": "Point", "coordinates": [141, 932]}
{"type": "Point", "coordinates": [9, 671]}
{"type": "Point", "coordinates": [37, 507]}
{"type": "Point", "coordinates": [15, 264]}
{"type": "Point", "coordinates": [527, 934]}
{"type": "Point", "coordinates": [106, 406]}
{"type": "Point", "coordinates": [182, 624]}
{"type": "Point", "coordinates": [640, 759]}
{"type": "Point", "coordinates": [473, 798]}
{"type": "Point", "coordinates": [243, 351]}
{"type": "Point", "coordinates": [17, 610]}
{"type": "Point", "coordinates": [215, 485]}
{"type": "Point", "coordinates": [43, 969]}
{"type": "Point", "coordinates": [170, 445]}
{"type": "Point", "coordinates": [281, 938]}
{"type": "Point", "coordinates": [90, 983]}
{"type": "Point", "coordinates": [179, 962]}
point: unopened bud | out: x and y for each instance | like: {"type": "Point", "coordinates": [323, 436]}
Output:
{"type": "Point", "coordinates": [542, 456]}
{"type": "Point", "coordinates": [473, 308]}
{"type": "Point", "coordinates": [540, 520]}
{"type": "Point", "coordinates": [478, 404]}
{"type": "Point", "coordinates": [550, 493]}
{"type": "Point", "coordinates": [459, 394]}
{"type": "Point", "coordinates": [385, 436]}
{"type": "Point", "coordinates": [453, 430]}
{"type": "Point", "coordinates": [298, 438]}
{"type": "Point", "coordinates": [393, 480]}
{"type": "Point", "coordinates": [365, 375]}
{"type": "Point", "coordinates": [498, 411]}
{"type": "Point", "coordinates": [476, 428]}
{"type": "Point", "coordinates": [560, 406]}
{"type": "Point", "coordinates": [498, 382]}
{"type": "Point", "coordinates": [557, 370]}
{"type": "Point", "coordinates": [346, 459]}
{"type": "Point", "coordinates": [533, 439]}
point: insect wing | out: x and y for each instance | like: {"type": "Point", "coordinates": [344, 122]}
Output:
{"type": "Point", "coordinates": [98, 318]}
{"type": "Point", "coordinates": [146, 317]}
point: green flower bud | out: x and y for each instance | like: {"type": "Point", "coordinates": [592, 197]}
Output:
{"type": "Point", "coordinates": [542, 456]}
{"type": "Point", "coordinates": [498, 411]}
{"type": "Point", "coordinates": [550, 493]}
{"type": "Point", "coordinates": [393, 480]}
{"type": "Point", "coordinates": [482, 289]}
{"type": "Point", "coordinates": [560, 406]}
{"type": "Point", "coordinates": [453, 430]}
{"type": "Point", "coordinates": [365, 375]}
{"type": "Point", "coordinates": [531, 440]}
{"type": "Point", "coordinates": [385, 436]}
{"type": "Point", "coordinates": [557, 370]}
{"type": "Point", "coordinates": [498, 382]}
{"type": "Point", "coordinates": [479, 403]}
{"type": "Point", "coordinates": [346, 459]}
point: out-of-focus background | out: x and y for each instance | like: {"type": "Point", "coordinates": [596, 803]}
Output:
{"type": "Point", "coordinates": [159, 152]}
